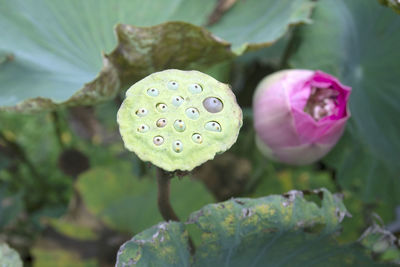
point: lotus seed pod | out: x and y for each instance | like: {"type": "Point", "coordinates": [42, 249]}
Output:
{"type": "Point", "coordinates": [179, 119]}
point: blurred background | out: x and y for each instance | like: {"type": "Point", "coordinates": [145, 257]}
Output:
{"type": "Point", "coordinates": [70, 194]}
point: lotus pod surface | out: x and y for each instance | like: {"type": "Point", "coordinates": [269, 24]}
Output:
{"type": "Point", "coordinates": [179, 119]}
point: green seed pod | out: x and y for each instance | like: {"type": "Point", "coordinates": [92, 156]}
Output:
{"type": "Point", "coordinates": [179, 119]}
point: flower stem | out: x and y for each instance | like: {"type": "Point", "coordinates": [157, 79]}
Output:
{"type": "Point", "coordinates": [164, 202]}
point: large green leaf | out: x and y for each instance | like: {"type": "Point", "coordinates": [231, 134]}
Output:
{"type": "Point", "coordinates": [276, 230]}
{"type": "Point", "coordinates": [9, 257]}
{"type": "Point", "coordinates": [144, 50]}
{"type": "Point", "coordinates": [363, 174]}
{"type": "Point", "coordinates": [162, 245]}
{"type": "Point", "coordinates": [50, 52]}
{"type": "Point", "coordinates": [55, 46]}
{"type": "Point", "coordinates": [366, 181]}
{"type": "Point", "coordinates": [361, 49]}
{"type": "Point", "coordinates": [128, 203]}
{"type": "Point", "coordinates": [253, 24]}
{"type": "Point", "coordinates": [272, 55]}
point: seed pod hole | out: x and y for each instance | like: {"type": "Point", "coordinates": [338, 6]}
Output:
{"type": "Point", "coordinates": [177, 101]}
{"type": "Point", "coordinates": [192, 113]}
{"type": "Point", "coordinates": [172, 85]}
{"type": "Point", "coordinates": [141, 112]}
{"type": "Point", "coordinates": [179, 126]}
{"type": "Point", "coordinates": [213, 126]}
{"type": "Point", "coordinates": [195, 88]}
{"type": "Point", "coordinates": [177, 146]}
{"type": "Point", "coordinates": [161, 123]}
{"type": "Point", "coordinates": [197, 138]}
{"type": "Point", "coordinates": [143, 128]}
{"type": "Point", "coordinates": [158, 140]}
{"type": "Point", "coordinates": [153, 92]}
{"type": "Point", "coordinates": [213, 104]}
{"type": "Point", "coordinates": [161, 107]}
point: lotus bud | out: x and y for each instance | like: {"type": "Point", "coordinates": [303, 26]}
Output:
{"type": "Point", "coordinates": [299, 115]}
{"type": "Point", "coordinates": [179, 119]}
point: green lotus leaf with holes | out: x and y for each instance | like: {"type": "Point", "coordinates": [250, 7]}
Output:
{"type": "Point", "coordinates": [179, 119]}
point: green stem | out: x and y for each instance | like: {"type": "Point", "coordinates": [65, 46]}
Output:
{"type": "Point", "coordinates": [164, 202]}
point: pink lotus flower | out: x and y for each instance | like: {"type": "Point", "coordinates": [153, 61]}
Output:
{"type": "Point", "coordinates": [299, 115]}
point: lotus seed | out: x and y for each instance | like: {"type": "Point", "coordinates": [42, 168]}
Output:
{"type": "Point", "coordinates": [179, 125]}
{"type": "Point", "coordinates": [195, 88]}
{"type": "Point", "coordinates": [213, 126]}
{"type": "Point", "coordinates": [213, 104]}
{"type": "Point", "coordinates": [192, 113]}
{"type": "Point", "coordinates": [143, 128]}
{"type": "Point", "coordinates": [152, 92]}
{"type": "Point", "coordinates": [172, 85]}
{"type": "Point", "coordinates": [141, 112]}
{"type": "Point", "coordinates": [197, 138]}
{"type": "Point", "coordinates": [158, 140]}
{"type": "Point", "coordinates": [161, 123]}
{"type": "Point", "coordinates": [162, 107]}
{"type": "Point", "coordinates": [177, 101]}
{"type": "Point", "coordinates": [177, 146]}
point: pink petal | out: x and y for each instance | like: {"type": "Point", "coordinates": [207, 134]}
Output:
{"type": "Point", "coordinates": [273, 120]}
{"type": "Point", "coordinates": [324, 80]}
{"type": "Point", "coordinates": [301, 155]}
{"type": "Point", "coordinates": [298, 86]}
{"type": "Point", "coordinates": [332, 135]}
{"type": "Point", "coordinates": [311, 131]}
